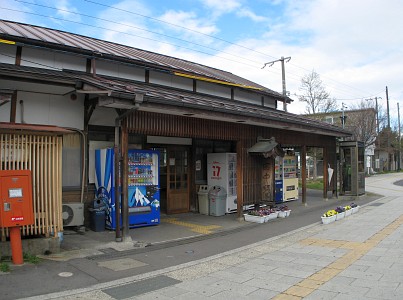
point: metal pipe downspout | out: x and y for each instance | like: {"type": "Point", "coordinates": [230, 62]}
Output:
{"type": "Point", "coordinates": [84, 159]}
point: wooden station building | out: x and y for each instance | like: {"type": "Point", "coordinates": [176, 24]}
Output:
{"type": "Point", "coordinates": [62, 95]}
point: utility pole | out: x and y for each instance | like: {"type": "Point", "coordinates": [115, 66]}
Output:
{"type": "Point", "coordinates": [377, 121]}
{"type": "Point", "coordinates": [282, 59]}
{"type": "Point", "coordinates": [398, 117]}
{"type": "Point", "coordinates": [343, 117]}
{"type": "Point", "coordinates": [388, 133]}
{"type": "Point", "coordinates": [376, 110]}
{"type": "Point", "coordinates": [387, 106]}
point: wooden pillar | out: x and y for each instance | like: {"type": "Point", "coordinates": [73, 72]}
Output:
{"type": "Point", "coordinates": [303, 173]}
{"type": "Point", "coordinates": [13, 110]}
{"type": "Point", "coordinates": [125, 187]}
{"type": "Point", "coordinates": [239, 179]}
{"type": "Point", "coordinates": [325, 175]}
{"type": "Point", "coordinates": [332, 159]}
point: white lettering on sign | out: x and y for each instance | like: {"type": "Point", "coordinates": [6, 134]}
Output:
{"type": "Point", "coordinates": [16, 219]}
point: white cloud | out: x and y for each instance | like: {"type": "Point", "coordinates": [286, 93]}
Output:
{"type": "Point", "coordinates": [126, 28]}
{"type": "Point", "coordinates": [14, 11]}
{"type": "Point", "coordinates": [188, 20]}
{"type": "Point", "coordinates": [67, 10]}
{"type": "Point", "coordinates": [245, 12]}
{"type": "Point", "coordinates": [219, 7]}
{"type": "Point", "coordinates": [222, 7]}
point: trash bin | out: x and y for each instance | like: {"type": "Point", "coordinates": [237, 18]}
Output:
{"type": "Point", "coordinates": [217, 201]}
{"type": "Point", "coordinates": [203, 200]}
{"type": "Point", "coordinates": [97, 219]}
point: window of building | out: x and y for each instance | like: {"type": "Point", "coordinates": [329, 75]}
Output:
{"type": "Point", "coordinates": [329, 120]}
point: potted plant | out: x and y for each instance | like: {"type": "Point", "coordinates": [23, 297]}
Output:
{"type": "Point", "coordinates": [284, 211]}
{"type": "Point", "coordinates": [347, 210]}
{"type": "Point", "coordinates": [354, 207]}
{"type": "Point", "coordinates": [256, 216]}
{"type": "Point", "coordinates": [329, 216]}
{"type": "Point", "coordinates": [341, 212]}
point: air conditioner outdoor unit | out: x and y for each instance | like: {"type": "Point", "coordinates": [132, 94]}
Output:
{"type": "Point", "coordinates": [73, 214]}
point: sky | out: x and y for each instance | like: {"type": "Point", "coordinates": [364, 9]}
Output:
{"type": "Point", "coordinates": [355, 46]}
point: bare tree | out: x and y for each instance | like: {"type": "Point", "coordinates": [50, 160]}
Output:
{"type": "Point", "coordinates": [314, 95]}
{"type": "Point", "coordinates": [362, 123]}
{"type": "Point", "coordinates": [317, 100]}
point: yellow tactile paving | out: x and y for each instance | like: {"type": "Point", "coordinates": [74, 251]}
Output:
{"type": "Point", "coordinates": [341, 265]}
{"type": "Point", "coordinates": [337, 244]}
{"type": "Point", "coordinates": [310, 283]}
{"type": "Point", "coordinates": [357, 250]}
{"type": "Point", "coordinates": [299, 291]}
{"type": "Point", "coordinates": [351, 245]}
{"type": "Point", "coordinates": [309, 241]}
{"type": "Point", "coordinates": [286, 297]}
{"type": "Point", "coordinates": [202, 229]}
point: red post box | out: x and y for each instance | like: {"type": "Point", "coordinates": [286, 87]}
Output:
{"type": "Point", "coordinates": [16, 198]}
{"type": "Point", "coordinates": [16, 208]}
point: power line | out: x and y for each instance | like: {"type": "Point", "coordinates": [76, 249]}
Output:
{"type": "Point", "coordinates": [176, 25]}
{"type": "Point", "coordinates": [125, 33]}
{"type": "Point", "coordinates": [290, 74]}
{"type": "Point", "coordinates": [297, 76]}
{"type": "Point", "coordinates": [201, 33]}
{"type": "Point", "coordinates": [134, 27]}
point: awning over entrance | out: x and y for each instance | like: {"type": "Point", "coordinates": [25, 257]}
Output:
{"type": "Point", "coordinates": [33, 127]}
{"type": "Point", "coordinates": [266, 147]}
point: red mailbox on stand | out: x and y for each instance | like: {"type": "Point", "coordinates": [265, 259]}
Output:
{"type": "Point", "coordinates": [16, 208]}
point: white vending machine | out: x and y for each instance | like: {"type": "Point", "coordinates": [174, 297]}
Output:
{"type": "Point", "coordinates": [221, 171]}
{"type": "Point", "coordinates": [290, 178]}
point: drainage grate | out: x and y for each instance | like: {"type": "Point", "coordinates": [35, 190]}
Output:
{"type": "Point", "coordinates": [140, 287]}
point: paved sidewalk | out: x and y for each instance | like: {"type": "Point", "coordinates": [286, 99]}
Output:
{"type": "Point", "coordinates": [358, 257]}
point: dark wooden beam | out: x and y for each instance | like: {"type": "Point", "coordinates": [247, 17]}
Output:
{"type": "Point", "coordinates": [18, 56]}
{"type": "Point", "coordinates": [325, 175]}
{"type": "Point", "coordinates": [239, 179]}
{"type": "Point", "coordinates": [89, 107]}
{"type": "Point", "coordinates": [303, 173]}
{"type": "Point", "coordinates": [13, 110]}
{"type": "Point", "coordinates": [125, 183]}
{"type": "Point", "coordinates": [147, 76]}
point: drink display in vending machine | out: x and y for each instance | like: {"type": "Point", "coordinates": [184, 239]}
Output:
{"type": "Point", "coordinates": [222, 172]}
{"type": "Point", "coordinates": [278, 179]}
{"type": "Point", "coordinates": [143, 186]}
{"type": "Point", "coordinates": [290, 177]}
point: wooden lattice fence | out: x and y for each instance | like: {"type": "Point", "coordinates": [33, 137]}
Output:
{"type": "Point", "coordinates": [42, 154]}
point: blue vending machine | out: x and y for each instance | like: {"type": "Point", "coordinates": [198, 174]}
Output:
{"type": "Point", "coordinates": [143, 182]}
